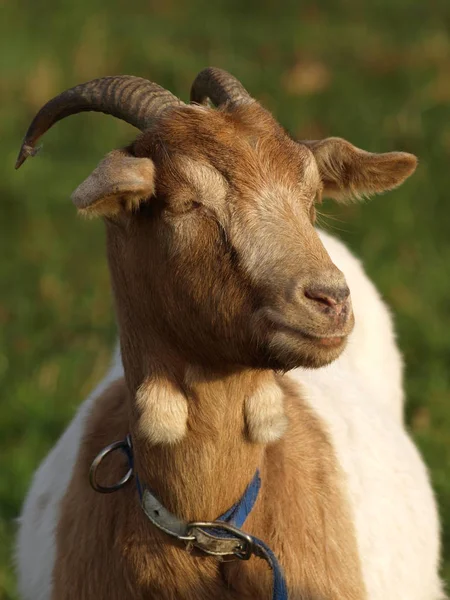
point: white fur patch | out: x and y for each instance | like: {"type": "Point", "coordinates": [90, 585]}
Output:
{"type": "Point", "coordinates": [164, 412]}
{"type": "Point", "coordinates": [264, 414]}
{"type": "Point", "coordinates": [36, 543]}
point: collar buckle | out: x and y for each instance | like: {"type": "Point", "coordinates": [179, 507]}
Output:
{"type": "Point", "coordinates": [222, 539]}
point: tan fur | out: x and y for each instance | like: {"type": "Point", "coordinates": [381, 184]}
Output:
{"type": "Point", "coordinates": [163, 410]}
{"type": "Point", "coordinates": [108, 549]}
{"type": "Point", "coordinates": [264, 413]}
{"type": "Point", "coordinates": [208, 183]}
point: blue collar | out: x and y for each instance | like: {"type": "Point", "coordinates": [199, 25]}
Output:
{"type": "Point", "coordinates": [237, 516]}
{"type": "Point", "coordinates": [222, 537]}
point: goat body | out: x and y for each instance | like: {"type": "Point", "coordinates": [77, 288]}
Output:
{"type": "Point", "coordinates": [386, 483]}
{"type": "Point", "coordinates": [221, 283]}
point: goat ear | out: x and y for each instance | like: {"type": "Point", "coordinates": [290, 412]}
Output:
{"type": "Point", "coordinates": [120, 182]}
{"type": "Point", "coordinates": [349, 173]}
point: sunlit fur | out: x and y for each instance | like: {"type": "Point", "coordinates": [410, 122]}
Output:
{"type": "Point", "coordinates": [219, 278]}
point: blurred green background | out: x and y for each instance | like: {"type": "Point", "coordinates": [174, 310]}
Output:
{"type": "Point", "coordinates": [376, 72]}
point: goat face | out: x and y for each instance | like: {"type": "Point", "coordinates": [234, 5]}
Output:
{"type": "Point", "coordinates": [239, 269]}
{"type": "Point", "coordinates": [223, 251]}
{"type": "Point", "coordinates": [210, 216]}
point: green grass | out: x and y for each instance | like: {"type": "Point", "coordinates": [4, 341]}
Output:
{"type": "Point", "coordinates": [374, 72]}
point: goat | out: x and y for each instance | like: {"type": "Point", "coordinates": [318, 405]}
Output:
{"type": "Point", "coordinates": [222, 285]}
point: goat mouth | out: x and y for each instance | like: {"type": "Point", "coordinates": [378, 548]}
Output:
{"type": "Point", "coordinates": [327, 341]}
{"type": "Point", "coordinates": [332, 341]}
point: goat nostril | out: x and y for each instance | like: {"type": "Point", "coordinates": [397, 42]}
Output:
{"type": "Point", "coordinates": [319, 297]}
{"type": "Point", "coordinates": [332, 297]}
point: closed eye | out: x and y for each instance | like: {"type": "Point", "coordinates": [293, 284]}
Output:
{"type": "Point", "coordinates": [184, 206]}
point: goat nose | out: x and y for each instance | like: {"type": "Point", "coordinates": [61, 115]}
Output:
{"type": "Point", "coordinates": [327, 296]}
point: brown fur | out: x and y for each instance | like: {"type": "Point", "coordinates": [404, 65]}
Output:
{"type": "Point", "coordinates": [219, 277]}
{"type": "Point", "coordinates": [108, 549]}
{"type": "Point", "coordinates": [348, 173]}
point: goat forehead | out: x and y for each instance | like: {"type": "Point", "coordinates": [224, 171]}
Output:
{"type": "Point", "coordinates": [260, 183]}
{"type": "Point", "coordinates": [194, 129]}
{"type": "Point", "coordinates": [212, 151]}
{"type": "Point", "coordinates": [202, 131]}
{"type": "Point", "coordinates": [285, 174]}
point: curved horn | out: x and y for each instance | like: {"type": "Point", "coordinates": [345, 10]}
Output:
{"type": "Point", "coordinates": [132, 99]}
{"type": "Point", "coordinates": [219, 86]}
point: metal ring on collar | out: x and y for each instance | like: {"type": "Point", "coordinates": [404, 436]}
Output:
{"type": "Point", "coordinates": [123, 445]}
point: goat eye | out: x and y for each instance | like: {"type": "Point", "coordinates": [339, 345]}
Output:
{"type": "Point", "coordinates": [183, 207]}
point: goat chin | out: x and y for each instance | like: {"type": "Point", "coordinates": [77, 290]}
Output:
{"type": "Point", "coordinates": [286, 351]}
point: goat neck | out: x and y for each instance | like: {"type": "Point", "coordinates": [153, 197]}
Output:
{"type": "Point", "coordinates": [190, 435]}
